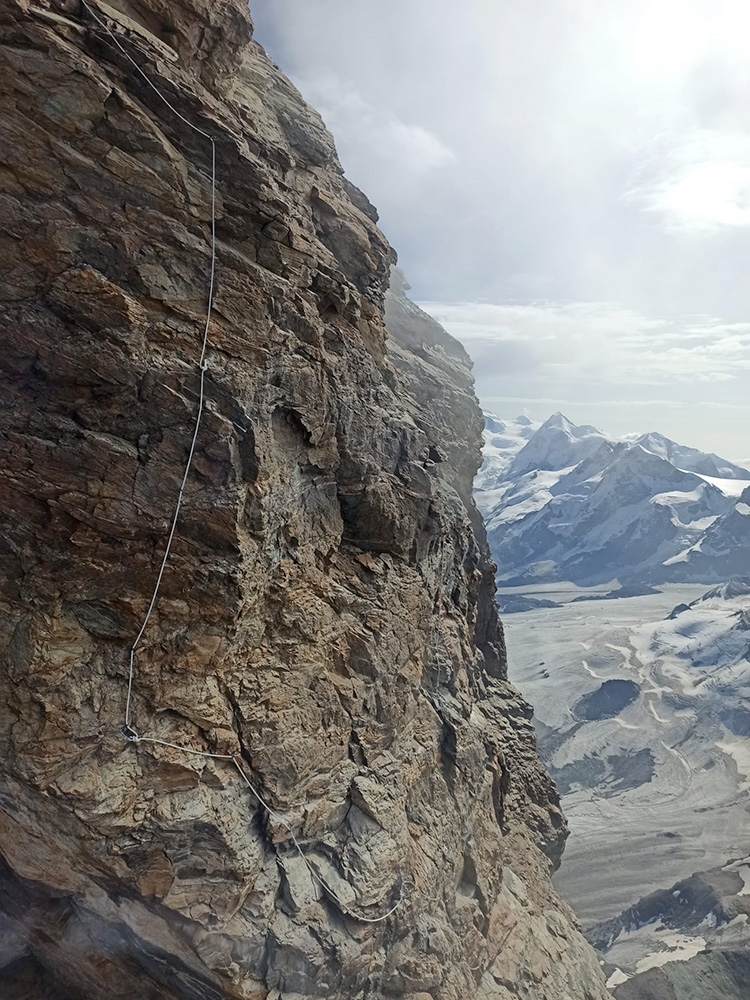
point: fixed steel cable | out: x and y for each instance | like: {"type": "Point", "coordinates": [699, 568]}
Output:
{"type": "Point", "coordinates": [128, 731]}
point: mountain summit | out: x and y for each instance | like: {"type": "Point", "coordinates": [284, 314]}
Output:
{"type": "Point", "coordinates": [690, 459]}
{"type": "Point", "coordinates": [558, 443]}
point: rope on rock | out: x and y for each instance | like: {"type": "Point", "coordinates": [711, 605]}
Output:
{"type": "Point", "coordinates": [128, 730]}
{"type": "Point", "coordinates": [313, 874]}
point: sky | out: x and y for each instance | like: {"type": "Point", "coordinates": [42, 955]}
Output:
{"type": "Point", "coordinates": [567, 185]}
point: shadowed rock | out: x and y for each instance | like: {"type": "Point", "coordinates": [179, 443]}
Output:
{"type": "Point", "coordinates": [609, 699]}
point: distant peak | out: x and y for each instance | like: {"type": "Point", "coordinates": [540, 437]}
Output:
{"type": "Point", "coordinates": [651, 436]}
{"type": "Point", "coordinates": [637, 452]}
{"type": "Point", "coordinates": [559, 422]}
{"type": "Point", "coordinates": [737, 586]}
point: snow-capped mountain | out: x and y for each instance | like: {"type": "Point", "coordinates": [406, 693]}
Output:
{"type": "Point", "coordinates": [557, 444]}
{"type": "Point", "coordinates": [563, 502]}
{"type": "Point", "coordinates": [503, 439]}
{"type": "Point", "coordinates": [722, 549]}
{"type": "Point", "coordinates": [690, 459]}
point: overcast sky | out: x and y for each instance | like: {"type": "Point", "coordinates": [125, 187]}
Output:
{"type": "Point", "coordinates": [567, 184]}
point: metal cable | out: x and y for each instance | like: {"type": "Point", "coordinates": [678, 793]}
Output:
{"type": "Point", "coordinates": [129, 732]}
{"type": "Point", "coordinates": [127, 729]}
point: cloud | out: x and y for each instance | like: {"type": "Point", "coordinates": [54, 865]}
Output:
{"type": "Point", "coordinates": [595, 343]}
{"type": "Point", "coordinates": [372, 138]}
{"type": "Point", "coordinates": [696, 181]}
{"type": "Point", "coordinates": [415, 147]}
{"type": "Point", "coordinates": [534, 163]}
{"type": "Point", "coordinates": [508, 403]}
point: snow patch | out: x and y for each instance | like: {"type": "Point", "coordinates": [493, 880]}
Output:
{"type": "Point", "coordinates": [741, 868]}
{"type": "Point", "coordinates": [680, 947]}
{"type": "Point", "coordinates": [739, 751]}
{"type": "Point", "coordinates": [729, 487]}
{"type": "Point", "coordinates": [617, 978]}
{"type": "Point", "coordinates": [683, 556]}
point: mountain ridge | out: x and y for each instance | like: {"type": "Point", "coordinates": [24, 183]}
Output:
{"type": "Point", "coordinates": [572, 503]}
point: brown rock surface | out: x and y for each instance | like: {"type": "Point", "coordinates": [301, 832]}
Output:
{"type": "Point", "coordinates": [328, 607]}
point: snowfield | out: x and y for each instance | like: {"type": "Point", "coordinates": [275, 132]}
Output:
{"type": "Point", "coordinates": [656, 789]}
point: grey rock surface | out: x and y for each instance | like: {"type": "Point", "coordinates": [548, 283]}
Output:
{"type": "Point", "coordinates": [721, 974]}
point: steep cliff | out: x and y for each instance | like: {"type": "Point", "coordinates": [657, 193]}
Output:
{"type": "Point", "coordinates": [327, 610]}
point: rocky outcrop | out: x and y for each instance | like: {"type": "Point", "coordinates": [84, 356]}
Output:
{"type": "Point", "coordinates": [688, 942]}
{"type": "Point", "coordinates": [721, 974]}
{"type": "Point", "coordinates": [327, 611]}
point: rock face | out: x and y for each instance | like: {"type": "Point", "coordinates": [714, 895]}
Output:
{"type": "Point", "coordinates": [327, 612]}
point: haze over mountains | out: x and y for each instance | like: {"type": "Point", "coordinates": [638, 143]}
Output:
{"type": "Point", "coordinates": [571, 503]}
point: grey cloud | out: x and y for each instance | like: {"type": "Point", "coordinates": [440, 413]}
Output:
{"type": "Point", "coordinates": [583, 153]}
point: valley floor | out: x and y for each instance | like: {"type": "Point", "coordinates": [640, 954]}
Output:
{"type": "Point", "coordinates": [654, 792]}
